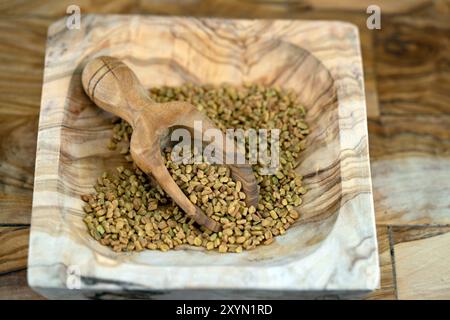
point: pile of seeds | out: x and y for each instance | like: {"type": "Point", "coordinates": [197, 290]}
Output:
{"type": "Point", "coordinates": [130, 212]}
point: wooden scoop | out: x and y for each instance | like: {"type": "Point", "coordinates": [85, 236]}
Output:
{"type": "Point", "coordinates": [114, 87]}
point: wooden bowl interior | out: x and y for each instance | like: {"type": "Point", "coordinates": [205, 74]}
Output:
{"type": "Point", "coordinates": [86, 130]}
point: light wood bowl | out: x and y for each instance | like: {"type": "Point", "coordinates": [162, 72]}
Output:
{"type": "Point", "coordinates": [332, 249]}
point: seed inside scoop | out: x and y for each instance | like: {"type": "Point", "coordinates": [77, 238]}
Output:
{"type": "Point", "coordinates": [129, 213]}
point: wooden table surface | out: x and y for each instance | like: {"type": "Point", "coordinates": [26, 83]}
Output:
{"type": "Point", "coordinates": [407, 75]}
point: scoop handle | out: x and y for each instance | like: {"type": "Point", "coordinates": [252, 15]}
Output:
{"type": "Point", "coordinates": [114, 87]}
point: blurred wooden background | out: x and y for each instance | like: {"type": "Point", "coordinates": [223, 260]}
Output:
{"type": "Point", "coordinates": [407, 76]}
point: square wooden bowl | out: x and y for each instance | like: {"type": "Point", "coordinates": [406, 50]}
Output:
{"type": "Point", "coordinates": [332, 249]}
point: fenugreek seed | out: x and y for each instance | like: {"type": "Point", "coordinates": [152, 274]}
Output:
{"type": "Point", "coordinates": [100, 213]}
{"type": "Point", "coordinates": [279, 175]}
{"type": "Point", "coordinates": [228, 232]}
{"type": "Point", "coordinates": [193, 198]}
{"type": "Point", "coordinates": [266, 222]}
{"type": "Point", "coordinates": [100, 229]}
{"type": "Point", "coordinates": [273, 214]}
{"type": "Point", "coordinates": [148, 228]}
{"type": "Point", "coordinates": [138, 246]}
{"type": "Point", "coordinates": [164, 247]}
{"type": "Point", "coordinates": [269, 206]}
{"type": "Point", "coordinates": [109, 213]}
{"type": "Point", "coordinates": [256, 218]}
{"type": "Point", "coordinates": [190, 239]}
{"type": "Point", "coordinates": [162, 225]}
{"type": "Point", "coordinates": [223, 248]}
{"type": "Point", "coordinates": [152, 206]}
{"type": "Point", "coordinates": [210, 245]}
{"type": "Point", "coordinates": [198, 241]}
{"type": "Point", "coordinates": [293, 214]}
{"type": "Point", "coordinates": [241, 239]}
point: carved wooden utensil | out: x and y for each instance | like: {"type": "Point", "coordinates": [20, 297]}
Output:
{"type": "Point", "coordinates": [114, 87]}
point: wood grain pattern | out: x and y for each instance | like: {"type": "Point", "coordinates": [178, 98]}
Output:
{"type": "Point", "coordinates": [410, 141]}
{"type": "Point", "coordinates": [223, 8]}
{"type": "Point", "coordinates": [421, 261]}
{"type": "Point", "coordinates": [13, 264]}
{"type": "Point", "coordinates": [15, 209]}
{"type": "Point", "coordinates": [14, 286]}
{"type": "Point", "coordinates": [387, 290]}
{"type": "Point", "coordinates": [401, 234]}
{"type": "Point", "coordinates": [412, 65]}
{"type": "Point", "coordinates": [20, 91]}
{"type": "Point", "coordinates": [28, 19]}
{"type": "Point", "coordinates": [17, 143]}
{"type": "Point", "coordinates": [338, 218]}
{"type": "Point", "coordinates": [405, 193]}
{"type": "Point", "coordinates": [406, 152]}
{"type": "Point", "coordinates": [57, 8]}
{"type": "Point", "coordinates": [21, 64]}
{"type": "Point", "coordinates": [14, 248]}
